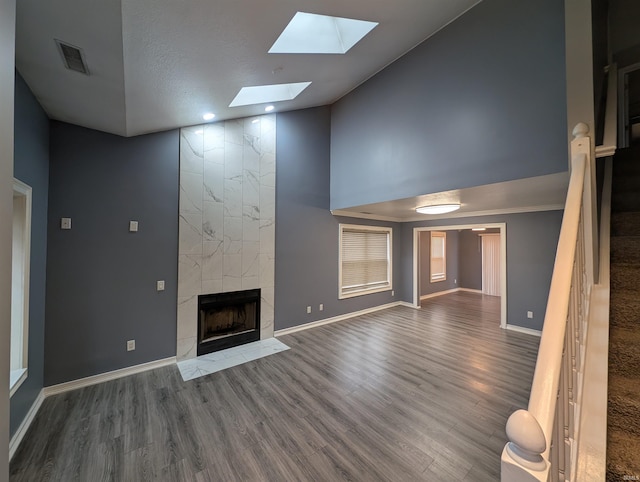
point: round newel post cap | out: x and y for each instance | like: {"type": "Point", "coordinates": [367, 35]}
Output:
{"type": "Point", "coordinates": [580, 130]}
{"type": "Point", "coordinates": [527, 442]}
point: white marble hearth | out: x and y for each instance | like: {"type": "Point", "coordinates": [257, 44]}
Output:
{"type": "Point", "coordinates": [231, 357]}
{"type": "Point", "coordinates": [227, 218]}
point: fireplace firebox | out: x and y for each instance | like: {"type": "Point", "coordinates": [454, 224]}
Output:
{"type": "Point", "coordinates": [228, 319]}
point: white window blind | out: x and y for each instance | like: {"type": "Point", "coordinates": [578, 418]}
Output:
{"type": "Point", "coordinates": [438, 256]}
{"type": "Point", "coordinates": [365, 260]}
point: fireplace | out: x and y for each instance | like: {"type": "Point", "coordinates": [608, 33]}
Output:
{"type": "Point", "coordinates": [228, 319]}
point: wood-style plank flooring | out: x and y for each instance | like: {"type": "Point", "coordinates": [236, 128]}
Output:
{"type": "Point", "coordinates": [395, 395]}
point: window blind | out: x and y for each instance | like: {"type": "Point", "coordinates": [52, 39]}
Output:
{"type": "Point", "coordinates": [365, 260]}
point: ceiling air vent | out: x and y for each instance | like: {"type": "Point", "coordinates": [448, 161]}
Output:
{"type": "Point", "coordinates": [73, 57]}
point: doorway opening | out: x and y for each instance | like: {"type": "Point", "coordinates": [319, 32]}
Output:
{"type": "Point", "coordinates": [475, 260]}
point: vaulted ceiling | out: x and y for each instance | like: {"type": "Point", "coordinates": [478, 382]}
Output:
{"type": "Point", "coordinates": [161, 64]}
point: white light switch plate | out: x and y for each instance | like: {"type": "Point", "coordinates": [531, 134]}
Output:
{"type": "Point", "coordinates": [65, 223]}
{"type": "Point", "coordinates": [160, 285]}
{"type": "Point", "coordinates": [133, 226]}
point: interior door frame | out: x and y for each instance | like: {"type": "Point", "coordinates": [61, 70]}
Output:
{"type": "Point", "coordinates": [624, 134]}
{"type": "Point", "coordinates": [503, 260]}
{"type": "Point", "coordinates": [483, 237]}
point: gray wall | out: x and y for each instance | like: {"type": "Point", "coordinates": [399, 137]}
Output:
{"type": "Point", "coordinates": [101, 279]}
{"type": "Point", "coordinates": [453, 266]}
{"type": "Point", "coordinates": [532, 239]}
{"type": "Point", "coordinates": [31, 166]}
{"type": "Point", "coordinates": [306, 232]}
{"type": "Point", "coordinates": [470, 252]}
{"type": "Point", "coordinates": [457, 110]}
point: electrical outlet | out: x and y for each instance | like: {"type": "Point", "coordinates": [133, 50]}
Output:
{"type": "Point", "coordinates": [308, 309]}
{"type": "Point", "coordinates": [393, 293]}
{"type": "Point", "coordinates": [321, 307]}
{"type": "Point", "coordinates": [160, 285]}
{"type": "Point", "coordinates": [455, 281]}
{"type": "Point", "coordinates": [65, 223]}
{"type": "Point", "coordinates": [529, 314]}
{"type": "Point", "coordinates": [131, 345]}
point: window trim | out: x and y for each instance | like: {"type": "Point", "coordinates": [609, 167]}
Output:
{"type": "Point", "coordinates": [438, 277]}
{"type": "Point", "coordinates": [19, 374]}
{"type": "Point", "coordinates": [388, 286]}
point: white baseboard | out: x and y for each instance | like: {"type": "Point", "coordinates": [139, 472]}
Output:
{"type": "Point", "coordinates": [438, 293]}
{"type": "Point", "coordinates": [105, 377]}
{"type": "Point", "coordinates": [470, 290]}
{"type": "Point", "coordinates": [346, 316]}
{"type": "Point", "coordinates": [521, 329]}
{"type": "Point", "coordinates": [14, 443]}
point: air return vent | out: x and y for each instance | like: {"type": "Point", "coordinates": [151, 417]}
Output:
{"type": "Point", "coordinates": [73, 57]}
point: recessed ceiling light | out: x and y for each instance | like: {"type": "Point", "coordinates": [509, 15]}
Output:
{"type": "Point", "coordinates": [261, 94]}
{"type": "Point", "coordinates": [478, 229]}
{"type": "Point", "coordinates": [308, 33]}
{"type": "Point", "coordinates": [438, 208]}
{"type": "Point", "coordinates": [208, 116]}
{"type": "Point", "coordinates": [269, 108]}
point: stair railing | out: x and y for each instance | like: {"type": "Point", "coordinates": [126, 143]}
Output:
{"type": "Point", "coordinates": [541, 444]}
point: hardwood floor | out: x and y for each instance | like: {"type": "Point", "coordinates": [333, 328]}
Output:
{"type": "Point", "coordinates": [395, 395]}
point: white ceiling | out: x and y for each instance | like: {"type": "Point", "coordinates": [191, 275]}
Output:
{"type": "Point", "coordinates": [161, 64]}
{"type": "Point", "coordinates": [542, 193]}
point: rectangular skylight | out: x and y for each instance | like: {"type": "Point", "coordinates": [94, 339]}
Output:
{"type": "Point", "coordinates": [261, 94]}
{"type": "Point", "coordinates": [308, 33]}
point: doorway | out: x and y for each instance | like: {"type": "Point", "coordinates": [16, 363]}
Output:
{"type": "Point", "coordinates": [491, 264]}
{"type": "Point", "coordinates": [629, 106]}
{"type": "Point", "coordinates": [499, 261]}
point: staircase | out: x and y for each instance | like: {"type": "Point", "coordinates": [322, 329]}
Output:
{"type": "Point", "coordinates": [623, 417]}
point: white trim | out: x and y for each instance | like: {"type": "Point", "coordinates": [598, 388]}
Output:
{"type": "Point", "coordinates": [503, 260]}
{"type": "Point", "coordinates": [105, 377]}
{"type": "Point", "coordinates": [457, 214]}
{"type": "Point", "coordinates": [15, 441]}
{"type": "Point", "coordinates": [522, 329]}
{"type": "Point", "coordinates": [470, 290]}
{"type": "Point", "coordinates": [13, 388]}
{"type": "Point", "coordinates": [438, 293]}
{"type": "Point", "coordinates": [333, 319]}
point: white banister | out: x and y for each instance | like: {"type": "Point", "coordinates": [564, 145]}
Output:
{"type": "Point", "coordinates": [541, 438]}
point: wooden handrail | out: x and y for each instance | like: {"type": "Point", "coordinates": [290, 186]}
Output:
{"type": "Point", "coordinates": [530, 432]}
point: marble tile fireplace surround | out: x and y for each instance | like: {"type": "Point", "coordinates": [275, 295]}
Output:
{"type": "Point", "coordinates": [227, 218]}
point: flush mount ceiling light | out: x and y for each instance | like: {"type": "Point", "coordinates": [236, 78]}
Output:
{"type": "Point", "coordinates": [261, 94]}
{"type": "Point", "coordinates": [308, 33]}
{"type": "Point", "coordinates": [269, 108]}
{"type": "Point", "coordinates": [438, 208]}
{"type": "Point", "coordinates": [208, 116]}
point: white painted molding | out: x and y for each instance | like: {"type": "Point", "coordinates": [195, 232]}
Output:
{"type": "Point", "coordinates": [438, 293]}
{"type": "Point", "coordinates": [14, 443]}
{"type": "Point", "coordinates": [470, 290]}
{"type": "Point", "coordinates": [333, 319]}
{"type": "Point", "coordinates": [522, 329]}
{"type": "Point", "coordinates": [105, 377]}
{"type": "Point", "coordinates": [406, 304]}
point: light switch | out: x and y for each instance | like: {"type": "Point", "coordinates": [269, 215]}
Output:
{"type": "Point", "coordinates": [65, 223]}
{"type": "Point", "coordinates": [530, 314]}
{"type": "Point", "coordinates": [133, 226]}
{"type": "Point", "coordinates": [160, 285]}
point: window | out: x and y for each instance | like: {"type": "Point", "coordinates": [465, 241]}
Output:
{"type": "Point", "coordinates": [20, 259]}
{"type": "Point", "coordinates": [438, 256]}
{"type": "Point", "coordinates": [365, 260]}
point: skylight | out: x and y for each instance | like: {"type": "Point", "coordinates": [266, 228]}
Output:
{"type": "Point", "coordinates": [261, 94]}
{"type": "Point", "coordinates": [308, 33]}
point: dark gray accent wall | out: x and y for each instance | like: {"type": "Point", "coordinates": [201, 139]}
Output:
{"type": "Point", "coordinates": [306, 232]}
{"type": "Point", "coordinates": [452, 260]}
{"type": "Point", "coordinates": [31, 166]}
{"type": "Point", "coordinates": [532, 240]}
{"type": "Point", "coordinates": [470, 252]}
{"type": "Point", "coordinates": [101, 279]}
{"type": "Point", "coordinates": [459, 110]}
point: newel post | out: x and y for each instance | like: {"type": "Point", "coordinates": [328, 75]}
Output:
{"type": "Point", "coordinates": [522, 459]}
